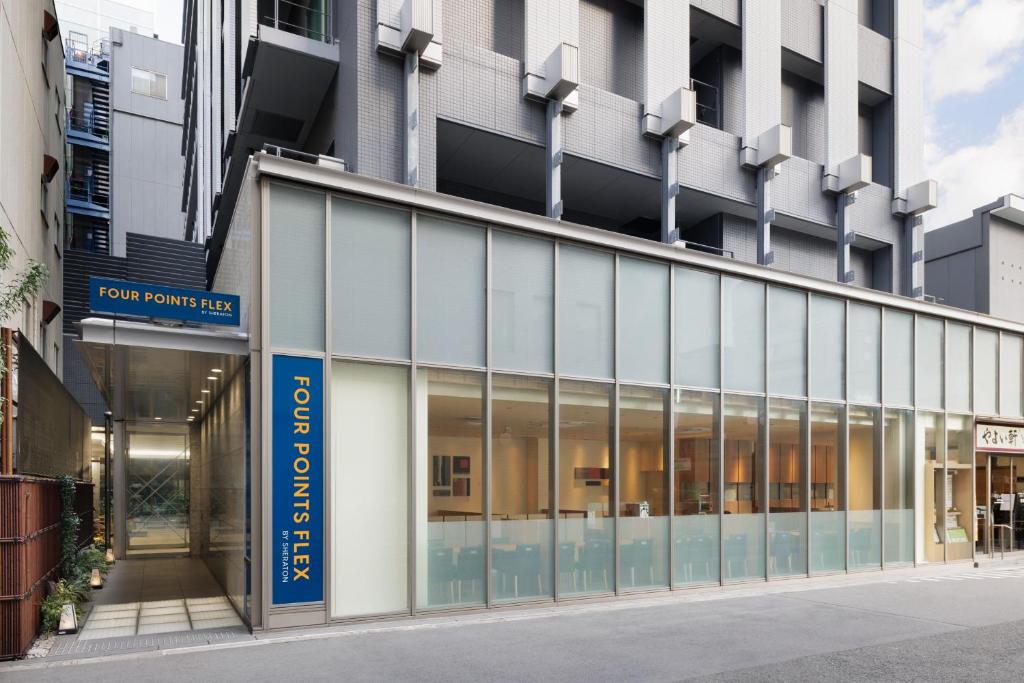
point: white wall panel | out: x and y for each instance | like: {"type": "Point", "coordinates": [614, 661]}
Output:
{"type": "Point", "coordinates": [909, 94]}
{"type": "Point", "coordinates": [548, 23]}
{"type": "Point", "coordinates": [666, 50]}
{"type": "Point", "coordinates": [841, 98]}
{"type": "Point", "coordinates": [762, 68]}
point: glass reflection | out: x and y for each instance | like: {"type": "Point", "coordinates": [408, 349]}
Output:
{"type": "Point", "coordinates": [787, 501]}
{"type": "Point", "coordinates": [743, 532]}
{"type": "Point", "coordinates": [521, 518]}
{"type": "Point", "coordinates": [959, 488]}
{"type": "Point", "coordinates": [865, 488]}
{"type": "Point", "coordinates": [586, 532]}
{"type": "Point", "coordinates": [828, 503]}
{"type": "Point", "coordinates": [899, 487]}
{"type": "Point", "coordinates": [695, 541]}
{"type": "Point", "coordinates": [454, 487]}
{"type": "Point", "coordinates": [931, 438]}
{"type": "Point", "coordinates": [643, 488]}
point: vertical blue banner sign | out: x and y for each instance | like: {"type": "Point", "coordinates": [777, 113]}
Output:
{"type": "Point", "coordinates": [298, 479]}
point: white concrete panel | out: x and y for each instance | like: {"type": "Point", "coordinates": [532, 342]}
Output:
{"type": "Point", "coordinates": [548, 23]}
{"type": "Point", "coordinates": [909, 94]}
{"type": "Point", "coordinates": [666, 50]}
{"type": "Point", "coordinates": [841, 87]}
{"type": "Point", "coordinates": [762, 68]}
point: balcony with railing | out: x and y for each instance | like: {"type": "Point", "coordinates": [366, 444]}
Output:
{"type": "Point", "coordinates": [307, 18]}
{"type": "Point", "coordinates": [83, 59]}
{"type": "Point", "coordinates": [89, 126]}
{"type": "Point", "coordinates": [86, 194]}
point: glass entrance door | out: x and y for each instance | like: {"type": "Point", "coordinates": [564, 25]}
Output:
{"type": "Point", "coordinates": [157, 493]}
{"type": "Point", "coordinates": [1005, 528]}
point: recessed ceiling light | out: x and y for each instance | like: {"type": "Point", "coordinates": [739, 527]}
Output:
{"type": "Point", "coordinates": [157, 418]}
{"type": "Point", "coordinates": [199, 402]}
{"type": "Point", "coordinates": [216, 370]}
{"type": "Point", "coordinates": [195, 410]}
{"type": "Point", "coordinates": [205, 391]}
{"type": "Point", "coordinates": [213, 377]}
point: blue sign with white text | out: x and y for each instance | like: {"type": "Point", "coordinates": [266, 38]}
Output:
{"type": "Point", "coordinates": [298, 479]}
{"type": "Point", "coordinates": [122, 297]}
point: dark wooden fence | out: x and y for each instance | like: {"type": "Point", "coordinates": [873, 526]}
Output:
{"type": "Point", "coordinates": [30, 552]}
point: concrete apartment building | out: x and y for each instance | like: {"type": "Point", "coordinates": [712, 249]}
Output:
{"type": "Point", "coordinates": [978, 263]}
{"type": "Point", "coordinates": [32, 134]}
{"type": "Point", "coordinates": [798, 128]}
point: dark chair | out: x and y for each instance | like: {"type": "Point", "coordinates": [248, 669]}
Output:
{"type": "Point", "coordinates": [782, 552]}
{"type": "Point", "coordinates": [638, 558]}
{"type": "Point", "coordinates": [469, 568]}
{"type": "Point", "coordinates": [597, 556]}
{"type": "Point", "coordinates": [736, 555]}
{"type": "Point", "coordinates": [440, 573]}
{"type": "Point", "coordinates": [526, 570]}
{"type": "Point", "coordinates": [567, 563]}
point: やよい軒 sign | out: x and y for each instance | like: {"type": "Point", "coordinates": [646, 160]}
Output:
{"type": "Point", "coordinates": [122, 297]}
{"type": "Point", "coordinates": [297, 450]}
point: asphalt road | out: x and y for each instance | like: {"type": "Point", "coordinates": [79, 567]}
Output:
{"type": "Point", "coordinates": [954, 624]}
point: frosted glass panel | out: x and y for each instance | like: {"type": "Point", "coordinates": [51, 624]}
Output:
{"type": "Point", "coordinates": [1010, 348]}
{"type": "Point", "coordinates": [787, 352]}
{"type": "Point", "coordinates": [522, 302]}
{"type": "Point", "coordinates": [958, 367]}
{"type": "Point", "coordinates": [369, 280]}
{"type": "Point", "coordinates": [930, 366]}
{"type": "Point", "coordinates": [643, 552]}
{"type": "Point", "coordinates": [450, 289]}
{"type": "Point", "coordinates": [898, 374]}
{"type": "Point", "coordinates": [986, 363]}
{"type": "Point", "coordinates": [828, 347]}
{"type": "Point", "coordinates": [787, 543]}
{"type": "Point", "coordinates": [586, 311]}
{"type": "Point", "coordinates": [369, 413]}
{"type": "Point", "coordinates": [744, 334]}
{"type": "Point", "coordinates": [296, 252]}
{"type": "Point", "coordinates": [828, 541]}
{"type": "Point", "coordinates": [865, 538]}
{"type": "Point", "coordinates": [643, 320]}
{"type": "Point", "coordinates": [865, 353]}
{"type": "Point", "coordinates": [695, 547]}
{"type": "Point", "coordinates": [697, 328]}
{"type": "Point", "coordinates": [743, 546]}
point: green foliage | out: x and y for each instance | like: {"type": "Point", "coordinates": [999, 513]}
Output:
{"type": "Point", "coordinates": [93, 558]}
{"type": "Point", "coordinates": [69, 523]}
{"type": "Point", "coordinates": [16, 289]}
{"type": "Point", "coordinates": [62, 594]}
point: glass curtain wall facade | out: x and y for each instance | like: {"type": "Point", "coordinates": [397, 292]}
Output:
{"type": "Point", "coordinates": [533, 419]}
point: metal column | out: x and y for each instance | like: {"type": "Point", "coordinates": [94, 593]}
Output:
{"type": "Point", "coordinates": [553, 159]}
{"type": "Point", "coordinates": [412, 115]}
{"type": "Point", "coordinates": [765, 215]}
{"type": "Point", "coordinates": [669, 188]}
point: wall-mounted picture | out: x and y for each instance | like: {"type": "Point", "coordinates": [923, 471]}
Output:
{"type": "Point", "coordinates": [441, 468]}
{"type": "Point", "coordinates": [460, 486]}
{"type": "Point", "coordinates": [592, 473]}
{"type": "Point", "coordinates": [442, 493]}
{"type": "Point", "coordinates": [460, 464]}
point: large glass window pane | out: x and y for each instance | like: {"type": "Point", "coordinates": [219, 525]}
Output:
{"type": "Point", "coordinates": [586, 530]}
{"type": "Point", "coordinates": [828, 348]}
{"type": "Point", "coordinates": [697, 328]}
{"type": "Point", "coordinates": [958, 367]}
{"type": "Point", "coordinates": [450, 282]}
{"type": "Point", "coordinates": [865, 353]}
{"type": "Point", "coordinates": [522, 302]}
{"type": "Point", "coordinates": [369, 280]}
{"type": "Point", "coordinates": [930, 366]}
{"type": "Point", "coordinates": [899, 486]}
{"type": "Point", "coordinates": [743, 531]}
{"type": "Point", "coordinates": [959, 488]}
{"type": "Point", "coordinates": [744, 328]}
{"type": "Point", "coordinates": [828, 488]}
{"type": "Point", "coordinates": [787, 342]}
{"type": "Point", "coordinates": [787, 500]}
{"type": "Point", "coordinates": [931, 440]}
{"type": "Point", "coordinates": [986, 367]}
{"type": "Point", "coordinates": [586, 311]}
{"type": "Point", "coordinates": [898, 374]}
{"type": "Point", "coordinates": [865, 488]}
{"type": "Point", "coordinates": [522, 530]}
{"type": "Point", "coordinates": [450, 469]}
{"type": "Point", "coordinates": [643, 488]}
{"type": "Point", "coordinates": [1010, 347]}
{"type": "Point", "coordinates": [695, 530]}
{"type": "Point", "coordinates": [643, 320]}
{"type": "Point", "coordinates": [296, 253]}
{"type": "Point", "coordinates": [369, 415]}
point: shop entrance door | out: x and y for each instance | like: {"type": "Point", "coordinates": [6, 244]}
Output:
{"type": "Point", "coordinates": [1003, 514]}
{"type": "Point", "coordinates": [157, 493]}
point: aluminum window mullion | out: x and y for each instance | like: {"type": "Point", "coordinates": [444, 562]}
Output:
{"type": "Point", "coordinates": [766, 436]}
{"type": "Point", "coordinates": [808, 485]}
{"type": "Point", "coordinates": [327, 484]}
{"type": "Point", "coordinates": [555, 436]}
{"type": "Point", "coordinates": [615, 429]}
{"type": "Point", "coordinates": [488, 426]}
{"type": "Point", "coordinates": [669, 426]}
{"type": "Point", "coordinates": [720, 428]}
{"type": "Point", "coordinates": [413, 422]}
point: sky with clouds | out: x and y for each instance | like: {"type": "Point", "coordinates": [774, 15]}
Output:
{"type": "Point", "coordinates": [974, 99]}
{"type": "Point", "coordinates": [974, 103]}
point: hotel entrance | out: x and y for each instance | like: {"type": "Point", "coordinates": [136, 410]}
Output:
{"type": "Point", "coordinates": [1000, 488]}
